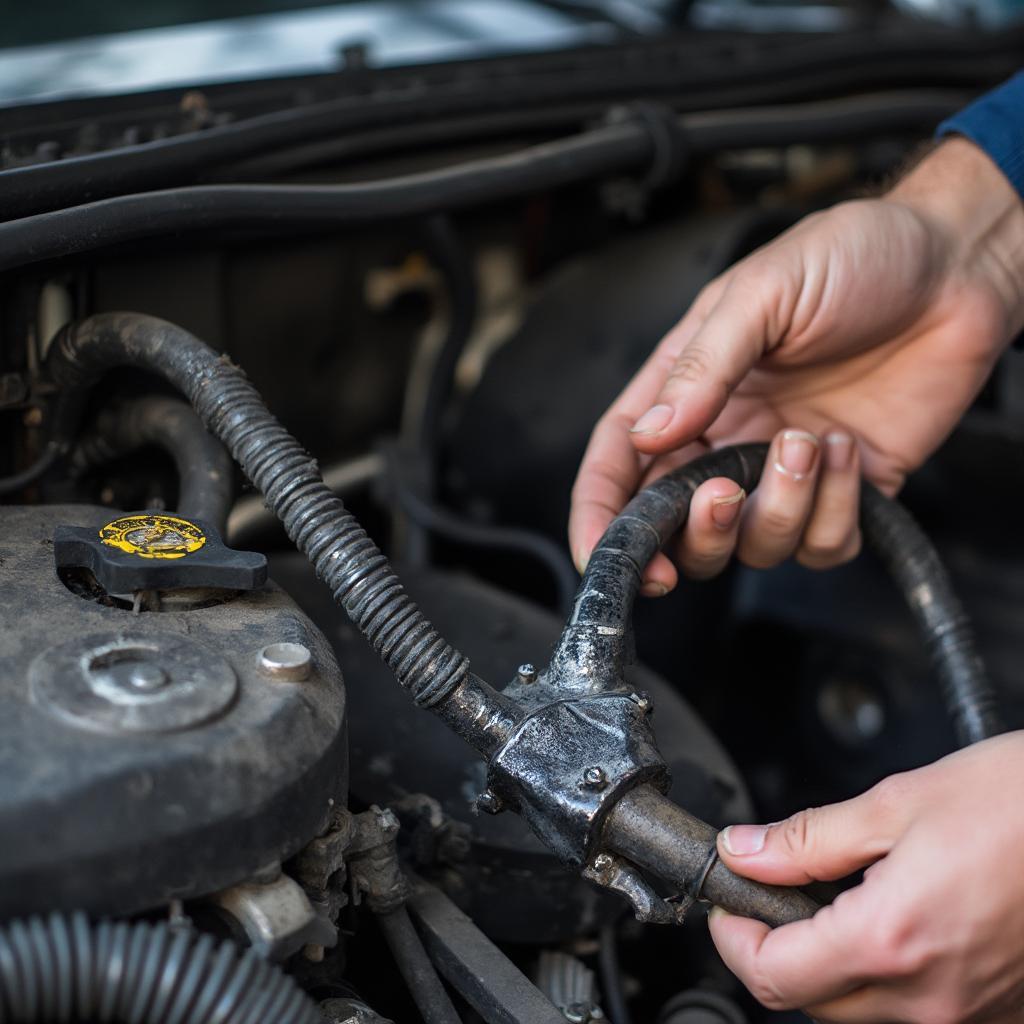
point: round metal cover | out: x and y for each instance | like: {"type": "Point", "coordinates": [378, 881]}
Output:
{"type": "Point", "coordinates": [132, 684]}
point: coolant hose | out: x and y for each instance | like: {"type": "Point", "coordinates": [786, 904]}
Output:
{"type": "Point", "coordinates": [205, 470]}
{"type": "Point", "coordinates": [604, 601]}
{"type": "Point", "coordinates": [315, 519]}
{"type": "Point", "coordinates": [65, 969]}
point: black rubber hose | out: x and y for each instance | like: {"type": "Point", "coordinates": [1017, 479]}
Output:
{"type": "Point", "coordinates": [425, 986]}
{"type": "Point", "coordinates": [604, 601]}
{"type": "Point", "coordinates": [63, 969]}
{"type": "Point", "coordinates": [614, 147]}
{"type": "Point", "coordinates": [315, 519]}
{"type": "Point", "coordinates": [535, 546]}
{"type": "Point", "coordinates": [204, 467]}
{"type": "Point", "coordinates": [19, 481]}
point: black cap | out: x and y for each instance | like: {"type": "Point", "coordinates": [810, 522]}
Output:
{"type": "Point", "coordinates": [157, 551]}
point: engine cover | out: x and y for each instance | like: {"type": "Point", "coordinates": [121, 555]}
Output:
{"type": "Point", "coordinates": [152, 755]}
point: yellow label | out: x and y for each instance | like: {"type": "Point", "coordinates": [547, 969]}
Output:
{"type": "Point", "coordinates": [153, 536]}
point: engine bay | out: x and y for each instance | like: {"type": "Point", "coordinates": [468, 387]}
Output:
{"type": "Point", "coordinates": [270, 350]}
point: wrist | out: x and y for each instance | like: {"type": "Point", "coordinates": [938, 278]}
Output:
{"type": "Point", "coordinates": [978, 219]}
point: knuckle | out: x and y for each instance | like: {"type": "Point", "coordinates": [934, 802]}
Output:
{"type": "Point", "coordinates": [778, 521]}
{"type": "Point", "coordinates": [825, 549]}
{"type": "Point", "coordinates": [765, 990]}
{"type": "Point", "coordinates": [693, 364]}
{"type": "Point", "coordinates": [890, 797]}
{"type": "Point", "coordinates": [703, 565]}
{"type": "Point", "coordinates": [799, 832]}
{"type": "Point", "coordinates": [892, 955]}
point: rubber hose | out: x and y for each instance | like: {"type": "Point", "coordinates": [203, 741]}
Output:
{"type": "Point", "coordinates": [611, 148]}
{"type": "Point", "coordinates": [204, 467]}
{"type": "Point", "coordinates": [315, 519]}
{"type": "Point", "coordinates": [19, 481]}
{"type": "Point", "coordinates": [64, 968]}
{"type": "Point", "coordinates": [605, 598]}
{"type": "Point", "coordinates": [425, 986]}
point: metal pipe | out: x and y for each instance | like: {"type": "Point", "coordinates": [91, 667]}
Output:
{"type": "Point", "coordinates": [655, 834]}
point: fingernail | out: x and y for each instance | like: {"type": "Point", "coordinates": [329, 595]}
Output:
{"type": "Point", "coordinates": [725, 510]}
{"type": "Point", "coordinates": [654, 589]}
{"type": "Point", "coordinates": [838, 450]}
{"type": "Point", "coordinates": [716, 914]}
{"type": "Point", "coordinates": [581, 561]}
{"type": "Point", "coordinates": [797, 453]}
{"type": "Point", "coordinates": [744, 840]}
{"type": "Point", "coordinates": [656, 418]}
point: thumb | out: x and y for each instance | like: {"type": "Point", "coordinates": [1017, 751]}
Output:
{"type": "Point", "coordinates": [823, 843]}
{"type": "Point", "coordinates": [705, 372]}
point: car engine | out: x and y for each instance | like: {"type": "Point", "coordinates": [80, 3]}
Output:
{"type": "Point", "coordinates": [295, 376]}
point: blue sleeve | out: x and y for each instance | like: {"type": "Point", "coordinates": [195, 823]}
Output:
{"type": "Point", "coordinates": [995, 122]}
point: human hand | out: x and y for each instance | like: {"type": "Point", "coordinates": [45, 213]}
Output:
{"type": "Point", "coordinates": [935, 932]}
{"type": "Point", "coordinates": [858, 338]}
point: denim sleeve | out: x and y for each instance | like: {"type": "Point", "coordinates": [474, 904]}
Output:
{"type": "Point", "coordinates": [995, 122]}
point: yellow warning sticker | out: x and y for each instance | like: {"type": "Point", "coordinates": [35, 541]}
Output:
{"type": "Point", "coordinates": [153, 536]}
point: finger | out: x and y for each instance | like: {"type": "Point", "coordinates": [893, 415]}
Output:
{"type": "Point", "coordinates": [712, 527]}
{"type": "Point", "coordinates": [781, 505]}
{"type": "Point", "coordinates": [824, 843]}
{"type": "Point", "coordinates": [707, 368]}
{"type": "Point", "coordinates": [832, 534]}
{"type": "Point", "coordinates": [801, 964]}
{"type": "Point", "coordinates": [608, 478]}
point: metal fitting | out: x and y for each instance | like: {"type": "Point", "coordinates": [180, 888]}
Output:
{"type": "Point", "coordinates": [286, 661]}
{"type": "Point", "coordinates": [489, 802]}
{"type": "Point", "coordinates": [526, 673]}
{"type": "Point", "coordinates": [595, 778]}
{"type": "Point", "coordinates": [641, 700]}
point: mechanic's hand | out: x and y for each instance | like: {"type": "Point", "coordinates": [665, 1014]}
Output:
{"type": "Point", "coordinates": [858, 338]}
{"type": "Point", "coordinates": [935, 932]}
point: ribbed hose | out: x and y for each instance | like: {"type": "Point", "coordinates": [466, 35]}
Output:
{"type": "Point", "coordinates": [65, 969]}
{"type": "Point", "coordinates": [315, 519]}
{"type": "Point", "coordinates": [604, 601]}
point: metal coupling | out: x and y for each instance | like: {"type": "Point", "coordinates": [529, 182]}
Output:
{"type": "Point", "coordinates": [567, 762]}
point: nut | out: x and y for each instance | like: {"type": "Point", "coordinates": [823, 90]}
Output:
{"type": "Point", "coordinates": [489, 802]}
{"type": "Point", "coordinates": [527, 673]}
{"type": "Point", "coordinates": [595, 778]}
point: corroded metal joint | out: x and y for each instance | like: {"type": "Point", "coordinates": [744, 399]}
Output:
{"type": "Point", "coordinates": [569, 761]}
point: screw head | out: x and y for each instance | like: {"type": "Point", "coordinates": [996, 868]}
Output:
{"type": "Point", "coordinates": [595, 778]}
{"type": "Point", "coordinates": [577, 1013]}
{"type": "Point", "coordinates": [641, 700]}
{"type": "Point", "coordinates": [489, 802]}
{"type": "Point", "coordinates": [147, 677]}
{"type": "Point", "coordinates": [602, 862]}
{"type": "Point", "coordinates": [286, 661]}
{"type": "Point", "coordinates": [527, 673]}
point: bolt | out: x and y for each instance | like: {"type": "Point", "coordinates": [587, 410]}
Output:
{"type": "Point", "coordinates": [641, 700]}
{"type": "Point", "coordinates": [602, 862]}
{"type": "Point", "coordinates": [147, 677]}
{"type": "Point", "coordinates": [489, 802]}
{"type": "Point", "coordinates": [286, 661]}
{"type": "Point", "coordinates": [577, 1013]}
{"type": "Point", "coordinates": [527, 673]}
{"type": "Point", "coordinates": [595, 778]}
